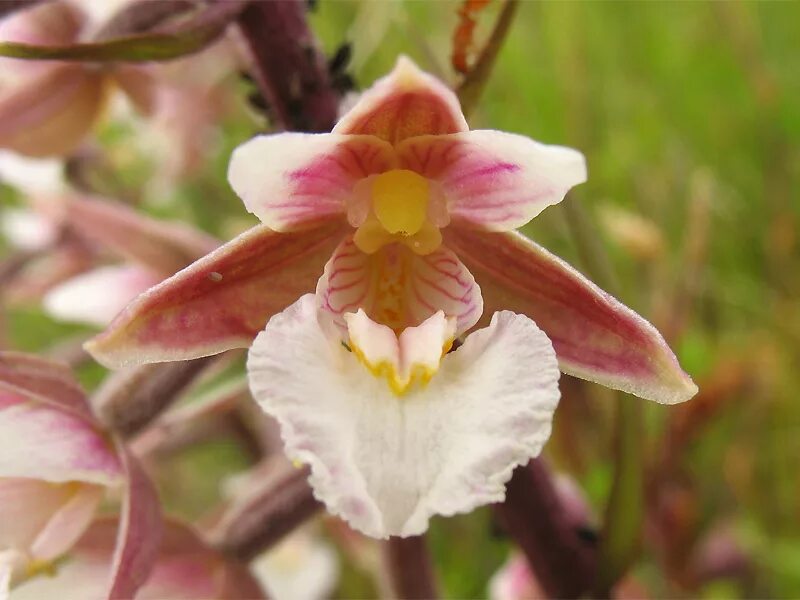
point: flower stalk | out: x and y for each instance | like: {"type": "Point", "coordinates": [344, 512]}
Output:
{"type": "Point", "coordinates": [131, 398]}
{"type": "Point", "coordinates": [564, 562]}
{"type": "Point", "coordinates": [410, 568]}
{"type": "Point", "coordinates": [263, 516]}
{"type": "Point", "coordinates": [288, 67]}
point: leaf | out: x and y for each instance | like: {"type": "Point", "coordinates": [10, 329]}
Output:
{"type": "Point", "coordinates": [188, 36]}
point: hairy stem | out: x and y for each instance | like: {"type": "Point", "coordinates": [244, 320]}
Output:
{"type": "Point", "coordinates": [288, 67]}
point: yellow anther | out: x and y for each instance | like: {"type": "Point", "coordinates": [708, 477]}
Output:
{"type": "Point", "coordinates": [400, 201]}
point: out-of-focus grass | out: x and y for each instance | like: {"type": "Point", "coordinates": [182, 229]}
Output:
{"type": "Point", "coordinates": [688, 114]}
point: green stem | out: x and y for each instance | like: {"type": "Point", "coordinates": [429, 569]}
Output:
{"type": "Point", "coordinates": [410, 568]}
{"type": "Point", "coordinates": [622, 523]}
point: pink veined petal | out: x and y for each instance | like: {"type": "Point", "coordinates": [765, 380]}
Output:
{"type": "Point", "coordinates": [49, 114]}
{"type": "Point", "coordinates": [387, 464]}
{"type": "Point", "coordinates": [595, 336]}
{"type": "Point", "coordinates": [46, 381]}
{"type": "Point", "coordinates": [162, 246]}
{"type": "Point", "coordinates": [97, 296]}
{"type": "Point", "coordinates": [221, 301]}
{"type": "Point", "coordinates": [42, 442]}
{"type": "Point", "coordinates": [184, 569]}
{"type": "Point", "coordinates": [404, 104]}
{"type": "Point", "coordinates": [494, 180]}
{"type": "Point", "coordinates": [297, 180]}
{"type": "Point", "coordinates": [139, 533]}
{"type": "Point", "coordinates": [397, 287]}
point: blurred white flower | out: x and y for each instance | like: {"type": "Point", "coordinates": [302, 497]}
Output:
{"type": "Point", "coordinates": [301, 567]}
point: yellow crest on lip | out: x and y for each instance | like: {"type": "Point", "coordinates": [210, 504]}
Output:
{"type": "Point", "coordinates": [402, 360]}
{"type": "Point", "coordinates": [385, 369]}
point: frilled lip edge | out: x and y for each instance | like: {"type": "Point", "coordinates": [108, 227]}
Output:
{"type": "Point", "coordinates": [338, 418]}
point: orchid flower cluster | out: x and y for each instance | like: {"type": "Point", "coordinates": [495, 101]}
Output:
{"type": "Point", "coordinates": [406, 339]}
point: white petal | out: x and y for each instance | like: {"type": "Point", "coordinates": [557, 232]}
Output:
{"type": "Point", "coordinates": [26, 229]}
{"type": "Point", "coordinates": [8, 560]}
{"type": "Point", "coordinates": [301, 567]}
{"type": "Point", "coordinates": [386, 464]}
{"type": "Point", "coordinates": [32, 175]}
{"type": "Point", "coordinates": [67, 524]}
{"type": "Point", "coordinates": [96, 297]}
{"type": "Point", "coordinates": [26, 505]}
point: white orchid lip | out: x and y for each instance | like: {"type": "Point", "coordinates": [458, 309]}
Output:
{"type": "Point", "coordinates": [385, 463]}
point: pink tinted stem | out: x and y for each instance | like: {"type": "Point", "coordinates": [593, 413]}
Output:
{"type": "Point", "coordinates": [535, 517]}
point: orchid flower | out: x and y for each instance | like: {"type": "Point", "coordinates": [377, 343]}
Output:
{"type": "Point", "coordinates": [184, 568]}
{"type": "Point", "coordinates": [47, 108]}
{"type": "Point", "coordinates": [408, 217]}
{"type": "Point", "coordinates": [55, 468]}
{"type": "Point", "coordinates": [56, 463]}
